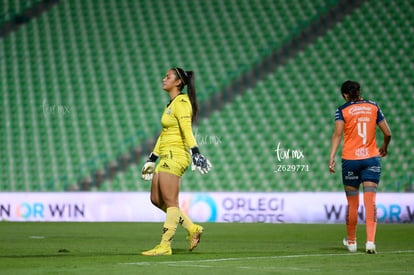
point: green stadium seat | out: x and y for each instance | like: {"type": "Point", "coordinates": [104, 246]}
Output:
{"type": "Point", "coordinates": [79, 54]}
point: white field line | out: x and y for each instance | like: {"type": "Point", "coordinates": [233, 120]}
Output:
{"type": "Point", "coordinates": [197, 262]}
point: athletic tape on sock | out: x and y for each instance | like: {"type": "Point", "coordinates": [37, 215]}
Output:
{"type": "Point", "coordinates": [370, 189]}
{"type": "Point", "coordinates": [350, 193]}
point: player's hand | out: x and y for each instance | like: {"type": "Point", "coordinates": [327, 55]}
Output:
{"type": "Point", "coordinates": [383, 151]}
{"type": "Point", "coordinates": [147, 171]}
{"type": "Point", "coordinates": [332, 166]}
{"type": "Point", "coordinates": [201, 163]}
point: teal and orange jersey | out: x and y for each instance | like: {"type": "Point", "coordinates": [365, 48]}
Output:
{"type": "Point", "coordinates": [360, 120]}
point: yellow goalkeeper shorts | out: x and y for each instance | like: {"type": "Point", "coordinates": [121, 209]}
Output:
{"type": "Point", "coordinates": [174, 162]}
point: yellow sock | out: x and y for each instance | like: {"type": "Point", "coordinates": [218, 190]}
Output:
{"type": "Point", "coordinates": [170, 225]}
{"type": "Point", "coordinates": [185, 221]}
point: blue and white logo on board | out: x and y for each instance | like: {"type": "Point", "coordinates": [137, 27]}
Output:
{"type": "Point", "coordinates": [200, 207]}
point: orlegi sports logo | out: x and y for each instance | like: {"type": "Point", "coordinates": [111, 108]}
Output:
{"type": "Point", "coordinates": [200, 207]}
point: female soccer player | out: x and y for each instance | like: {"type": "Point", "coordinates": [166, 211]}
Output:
{"type": "Point", "coordinates": [357, 120]}
{"type": "Point", "coordinates": [173, 148]}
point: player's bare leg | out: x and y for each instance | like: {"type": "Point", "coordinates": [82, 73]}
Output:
{"type": "Point", "coordinates": [167, 189]}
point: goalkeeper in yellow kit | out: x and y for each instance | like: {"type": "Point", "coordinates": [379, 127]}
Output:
{"type": "Point", "coordinates": [175, 148]}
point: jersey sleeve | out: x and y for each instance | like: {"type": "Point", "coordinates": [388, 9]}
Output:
{"type": "Point", "coordinates": [380, 115]}
{"type": "Point", "coordinates": [156, 149]}
{"type": "Point", "coordinates": [339, 115]}
{"type": "Point", "coordinates": [183, 114]}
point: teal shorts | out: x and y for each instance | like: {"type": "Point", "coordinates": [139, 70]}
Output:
{"type": "Point", "coordinates": [354, 172]}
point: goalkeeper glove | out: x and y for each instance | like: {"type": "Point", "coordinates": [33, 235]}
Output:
{"type": "Point", "coordinates": [148, 169]}
{"type": "Point", "coordinates": [200, 163]}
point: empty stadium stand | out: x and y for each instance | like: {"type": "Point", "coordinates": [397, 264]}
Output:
{"type": "Point", "coordinates": [81, 94]}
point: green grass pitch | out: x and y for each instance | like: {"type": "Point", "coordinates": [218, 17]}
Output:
{"type": "Point", "coordinates": [114, 248]}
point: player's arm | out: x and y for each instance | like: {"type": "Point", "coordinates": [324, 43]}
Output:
{"type": "Point", "coordinates": [386, 131]}
{"type": "Point", "coordinates": [335, 142]}
{"type": "Point", "coordinates": [183, 115]}
{"type": "Point", "coordinates": [156, 149]}
{"type": "Point", "coordinates": [147, 170]}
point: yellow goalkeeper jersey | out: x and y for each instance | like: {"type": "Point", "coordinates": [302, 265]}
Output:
{"type": "Point", "coordinates": [176, 133]}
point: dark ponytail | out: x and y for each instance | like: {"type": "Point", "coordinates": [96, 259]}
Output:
{"type": "Point", "coordinates": [187, 78]}
{"type": "Point", "coordinates": [352, 89]}
{"type": "Point", "coordinates": [191, 91]}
